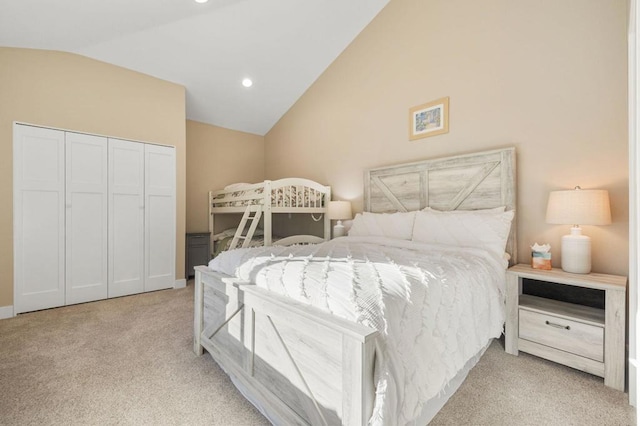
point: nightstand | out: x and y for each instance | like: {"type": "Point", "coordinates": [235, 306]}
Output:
{"type": "Point", "coordinates": [198, 251]}
{"type": "Point", "coordinates": [583, 337]}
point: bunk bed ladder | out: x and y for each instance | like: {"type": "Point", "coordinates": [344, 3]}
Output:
{"type": "Point", "coordinates": [256, 209]}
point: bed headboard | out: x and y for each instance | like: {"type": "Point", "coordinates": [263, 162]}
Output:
{"type": "Point", "coordinates": [474, 181]}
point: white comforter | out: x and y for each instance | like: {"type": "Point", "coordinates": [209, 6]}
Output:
{"type": "Point", "coordinates": [434, 306]}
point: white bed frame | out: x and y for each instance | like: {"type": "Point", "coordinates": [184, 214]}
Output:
{"type": "Point", "coordinates": [300, 365]}
{"type": "Point", "coordinates": [218, 201]}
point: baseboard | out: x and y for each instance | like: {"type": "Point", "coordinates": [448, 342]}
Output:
{"type": "Point", "coordinates": [633, 389]}
{"type": "Point", "coordinates": [6, 312]}
{"type": "Point", "coordinates": [181, 283]}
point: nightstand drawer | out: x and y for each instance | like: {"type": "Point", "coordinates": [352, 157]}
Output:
{"type": "Point", "coordinates": [571, 336]}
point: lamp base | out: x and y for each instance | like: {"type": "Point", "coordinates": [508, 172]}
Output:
{"type": "Point", "coordinates": [338, 230]}
{"type": "Point", "coordinates": [576, 252]}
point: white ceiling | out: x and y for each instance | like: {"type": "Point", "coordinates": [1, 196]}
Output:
{"type": "Point", "coordinates": [283, 45]}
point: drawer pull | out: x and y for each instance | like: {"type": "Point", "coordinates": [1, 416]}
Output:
{"type": "Point", "coordinates": [566, 327]}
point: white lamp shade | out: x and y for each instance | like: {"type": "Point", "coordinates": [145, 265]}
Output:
{"type": "Point", "coordinates": [579, 207]}
{"type": "Point", "coordinates": [339, 210]}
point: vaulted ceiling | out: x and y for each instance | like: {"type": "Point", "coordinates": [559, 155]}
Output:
{"type": "Point", "coordinates": [282, 45]}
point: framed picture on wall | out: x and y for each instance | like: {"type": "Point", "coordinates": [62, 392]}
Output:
{"type": "Point", "coordinates": [429, 119]}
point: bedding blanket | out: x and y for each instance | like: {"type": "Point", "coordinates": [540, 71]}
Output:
{"type": "Point", "coordinates": [434, 306]}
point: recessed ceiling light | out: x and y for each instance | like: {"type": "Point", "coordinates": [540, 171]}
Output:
{"type": "Point", "coordinates": [247, 82]}
{"type": "Point", "coordinates": [201, 1]}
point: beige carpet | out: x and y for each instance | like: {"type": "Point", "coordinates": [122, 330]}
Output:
{"type": "Point", "coordinates": [526, 390]}
{"type": "Point", "coordinates": [128, 361]}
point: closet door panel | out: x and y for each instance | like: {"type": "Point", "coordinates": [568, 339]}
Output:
{"type": "Point", "coordinates": [86, 218]}
{"type": "Point", "coordinates": [160, 210]}
{"type": "Point", "coordinates": [38, 202]}
{"type": "Point", "coordinates": [126, 217]}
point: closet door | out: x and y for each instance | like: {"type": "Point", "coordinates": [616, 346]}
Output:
{"type": "Point", "coordinates": [38, 215]}
{"type": "Point", "coordinates": [86, 218]}
{"type": "Point", "coordinates": [126, 217]}
{"type": "Point", "coordinates": [160, 210]}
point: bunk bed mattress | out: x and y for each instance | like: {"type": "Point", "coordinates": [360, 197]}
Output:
{"type": "Point", "coordinates": [290, 196]}
{"type": "Point", "coordinates": [224, 243]}
{"type": "Point", "coordinates": [435, 307]}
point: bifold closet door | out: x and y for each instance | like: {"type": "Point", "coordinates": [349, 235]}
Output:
{"type": "Point", "coordinates": [93, 217]}
{"type": "Point", "coordinates": [86, 218]}
{"type": "Point", "coordinates": [126, 217]}
{"type": "Point", "coordinates": [38, 215]}
{"type": "Point", "coordinates": [160, 210]}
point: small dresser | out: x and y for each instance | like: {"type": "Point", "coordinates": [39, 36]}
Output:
{"type": "Point", "coordinates": [198, 251]}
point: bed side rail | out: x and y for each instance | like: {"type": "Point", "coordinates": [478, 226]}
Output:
{"type": "Point", "coordinates": [247, 196]}
{"type": "Point", "coordinates": [298, 239]}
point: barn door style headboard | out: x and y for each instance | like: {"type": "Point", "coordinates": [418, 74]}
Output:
{"type": "Point", "coordinates": [473, 181]}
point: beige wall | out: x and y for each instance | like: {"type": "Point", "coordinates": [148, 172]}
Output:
{"type": "Point", "coordinates": [546, 76]}
{"type": "Point", "coordinates": [217, 157]}
{"type": "Point", "coordinates": [72, 92]}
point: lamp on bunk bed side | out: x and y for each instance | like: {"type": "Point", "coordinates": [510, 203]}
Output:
{"type": "Point", "coordinates": [339, 210]}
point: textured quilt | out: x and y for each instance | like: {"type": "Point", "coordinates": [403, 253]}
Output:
{"type": "Point", "coordinates": [435, 306]}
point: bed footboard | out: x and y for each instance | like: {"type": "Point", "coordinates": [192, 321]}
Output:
{"type": "Point", "coordinates": [297, 364]}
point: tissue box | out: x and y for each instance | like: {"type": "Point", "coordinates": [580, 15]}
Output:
{"type": "Point", "coordinates": [540, 260]}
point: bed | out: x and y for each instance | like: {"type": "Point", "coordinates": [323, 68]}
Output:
{"type": "Point", "coordinates": [302, 357]}
{"type": "Point", "coordinates": [262, 200]}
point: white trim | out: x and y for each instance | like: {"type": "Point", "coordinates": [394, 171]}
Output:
{"type": "Point", "coordinates": [633, 374]}
{"type": "Point", "coordinates": [181, 283]}
{"type": "Point", "coordinates": [6, 312]}
{"type": "Point", "coordinates": [634, 208]}
{"type": "Point", "coordinates": [24, 123]}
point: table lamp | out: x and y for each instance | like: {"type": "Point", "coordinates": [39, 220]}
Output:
{"type": "Point", "coordinates": [578, 207]}
{"type": "Point", "coordinates": [339, 210]}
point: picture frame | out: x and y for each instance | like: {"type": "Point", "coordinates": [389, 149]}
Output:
{"type": "Point", "coordinates": [429, 119]}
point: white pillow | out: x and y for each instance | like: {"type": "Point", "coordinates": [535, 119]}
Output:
{"type": "Point", "coordinates": [392, 225]}
{"type": "Point", "coordinates": [238, 186]}
{"type": "Point", "coordinates": [492, 210]}
{"type": "Point", "coordinates": [466, 228]}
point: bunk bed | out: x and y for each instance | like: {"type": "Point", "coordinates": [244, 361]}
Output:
{"type": "Point", "coordinates": [262, 200]}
